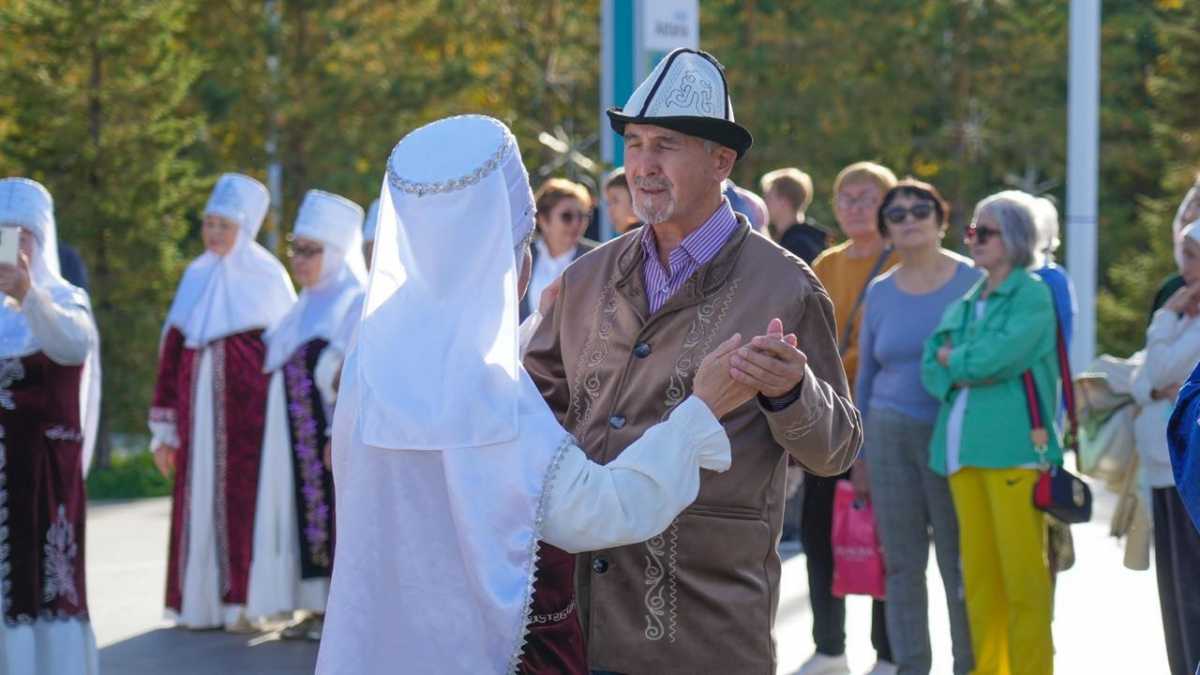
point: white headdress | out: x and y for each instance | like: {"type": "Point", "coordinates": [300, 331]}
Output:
{"type": "Point", "coordinates": [1177, 224]}
{"type": "Point", "coordinates": [28, 204]}
{"type": "Point", "coordinates": [322, 308]}
{"type": "Point", "coordinates": [441, 439]}
{"type": "Point", "coordinates": [245, 289]}
{"type": "Point", "coordinates": [371, 221]}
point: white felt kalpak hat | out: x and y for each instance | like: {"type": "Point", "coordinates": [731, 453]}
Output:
{"type": "Point", "coordinates": [686, 92]}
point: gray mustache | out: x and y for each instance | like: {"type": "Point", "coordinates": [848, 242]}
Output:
{"type": "Point", "coordinates": [652, 183]}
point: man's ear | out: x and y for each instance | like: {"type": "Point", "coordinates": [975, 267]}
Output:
{"type": "Point", "coordinates": [723, 160]}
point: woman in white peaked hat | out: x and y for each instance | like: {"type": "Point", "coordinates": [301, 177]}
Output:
{"type": "Point", "coordinates": [209, 404]}
{"type": "Point", "coordinates": [293, 526]}
{"type": "Point", "coordinates": [47, 341]}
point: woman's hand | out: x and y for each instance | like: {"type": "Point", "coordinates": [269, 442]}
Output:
{"type": "Point", "coordinates": [860, 479]}
{"type": "Point", "coordinates": [14, 279]}
{"type": "Point", "coordinates": [715, 385]}
{"type": "Point", "coordinates": [943, 355]}
{"type": "Point", "coordinates": [1184, 301]}
{"type": "Point", "coordinates": [164, 459]}
{"type": "Point", "coordinates": [1167, 393]}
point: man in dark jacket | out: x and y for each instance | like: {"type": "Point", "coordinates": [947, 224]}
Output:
{"type": "Point", "coordinates": [788, 193]}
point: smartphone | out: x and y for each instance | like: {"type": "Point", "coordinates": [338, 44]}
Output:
{"type": "Point", "coordinates": [10, 245]}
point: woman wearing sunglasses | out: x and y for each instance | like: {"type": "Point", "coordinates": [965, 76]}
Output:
{"type": "Point", "coordinates": [903, 307]}
{"type": "Point", "coordinates": [973, 364]}
{"type": "Point", "coordinates": [564, 210]}
{"type": "Point", "coordinates": [294, 517]}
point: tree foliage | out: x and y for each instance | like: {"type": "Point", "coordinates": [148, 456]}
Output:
{"type": "Point", "coordinates": [129, 110]}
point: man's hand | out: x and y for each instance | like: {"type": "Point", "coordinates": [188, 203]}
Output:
{"type": "Point", "coordinates": [770, 364]}
{"type": "Point", "coordinates": [713, 383]}
{"type": "Point", "coordinates": [164, 459]}
{"type": "Point", "coordinates": [549, 295]}
{"type": "Point", "coordinates": [14, 279]}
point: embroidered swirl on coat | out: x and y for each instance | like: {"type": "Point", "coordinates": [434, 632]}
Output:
{"type": "Point", "coordinates": [696, 346]}
{"type": "Point", "coordinates": [11, 370]}
{"type": "Point", "coordinates": [662, 593]}
{"type": "Point", "coordinates": [305, 438]}
{"type": "Point", "coordinates": [58, 568]}
{"type": "Point", "coordinates": [595, 350]}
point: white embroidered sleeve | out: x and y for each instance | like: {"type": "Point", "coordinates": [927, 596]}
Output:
{"type": "Point", "coordinates": [64, 332]}
{"type": "Point", "coordinates": [328, 364]}
{"type": "Point", "coordinates": [163, 433]}
{"type": "Point", "coordinates": [637, 495]}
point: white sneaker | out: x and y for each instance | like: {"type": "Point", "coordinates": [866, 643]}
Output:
{"type": "Point", "coordinates": [823, 664]}
{"type": "Point", "coordinates": [882, 667]}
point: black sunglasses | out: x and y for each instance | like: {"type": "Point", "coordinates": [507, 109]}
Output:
{"type": "Point", "coordinates": [897, 214]}
{"type": "Point", "coordinates": [981, 235]}
{"type": "Point", "coordinates": [569, 217]}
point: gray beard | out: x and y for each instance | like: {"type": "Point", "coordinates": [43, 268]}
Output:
{"type": "Point", "coordinates": [655, 216]}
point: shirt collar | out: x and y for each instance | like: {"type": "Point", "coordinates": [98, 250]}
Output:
{"type": "Point", "coordinates": [705, 242]}
{"type": "Point", "coordinates": [544, 251]}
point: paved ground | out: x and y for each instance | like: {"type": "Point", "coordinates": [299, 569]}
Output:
{"type": "Point", "coordinates": [1107, 616]}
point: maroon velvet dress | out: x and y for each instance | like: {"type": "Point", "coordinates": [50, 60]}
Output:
{"type": "Point", "coordinates": [42, 500]}
{"type": "Point", "coordinates": [308, 418]}
{"type": "Point", "coordinates": [239, 409]}
{"type": "Point", "coordinates": [555, 642]}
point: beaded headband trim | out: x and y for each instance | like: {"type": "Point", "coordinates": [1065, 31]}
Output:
{"type": "Point", "coordinates": [455, 184]}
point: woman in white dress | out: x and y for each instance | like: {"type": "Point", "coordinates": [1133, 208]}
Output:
{"type": "Point", "coordinates": [293, 526]}
{"type": "Point", "coordinates": [47, 341]}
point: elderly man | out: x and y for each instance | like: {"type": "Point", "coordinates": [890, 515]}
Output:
{"type": "Point", "coordinates": [615, 355]}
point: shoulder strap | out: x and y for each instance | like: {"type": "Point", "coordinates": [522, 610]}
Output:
{"type": "Point", "coordinates": [844, 339]}
{"type": "Point", "coordinates": [1034, 405]}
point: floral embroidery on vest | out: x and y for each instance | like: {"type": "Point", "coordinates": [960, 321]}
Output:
{"type": "Point", "coordinates": [59, 565]}
{"type": "Point", "coordinates": [540, 619]}
{"type": "Point", "coordinates": [61, 433]}
{"type": "Point", "coordinates": [5, 565]}
{"type": "Point", "coordinates": [662, 595]}
{"type": "Point", "coordinates": [11, 370]}
{"type": "Point", "coordinates": [595, 350]}
{"type": "Point", "coordinates": [312, 469]}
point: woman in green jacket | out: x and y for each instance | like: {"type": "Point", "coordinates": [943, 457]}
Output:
{"type": "Point", "coordinates": [973, 363]}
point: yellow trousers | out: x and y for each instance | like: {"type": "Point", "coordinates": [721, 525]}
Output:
{"type": "Point", "coordinates": [1005, 574]}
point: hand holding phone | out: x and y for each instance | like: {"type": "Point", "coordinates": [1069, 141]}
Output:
{"type": "Point", "coordinates": [14, 266]}
{"type": "Point", "coordinates": [10, 245]}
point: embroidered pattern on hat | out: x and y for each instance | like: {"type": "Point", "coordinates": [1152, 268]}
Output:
{"type": "Point", "coordinates": [692, 93]}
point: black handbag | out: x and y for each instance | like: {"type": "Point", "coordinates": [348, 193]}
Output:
{"type": "Point", "coordinates": [1057, 491]}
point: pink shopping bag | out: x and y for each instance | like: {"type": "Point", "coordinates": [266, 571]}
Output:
{"type": "Point", "coordinates": [857, 555]}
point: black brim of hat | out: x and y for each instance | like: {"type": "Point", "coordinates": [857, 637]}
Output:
{"type": "Point", "coordinates": [729, 134]}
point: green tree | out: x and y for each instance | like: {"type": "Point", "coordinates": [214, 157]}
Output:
{"type": "Point", "coordinates": [96, 92]}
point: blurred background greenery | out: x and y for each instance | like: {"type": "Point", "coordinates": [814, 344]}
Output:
{"type": "Point", "coordinates": [128, 111]}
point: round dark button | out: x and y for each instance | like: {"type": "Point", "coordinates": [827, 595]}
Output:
{"type": "Point", "coordinates": [599, 565]}
{"type": "Point", "coordinates": [641, 350]}
{"type": "Point", "coordinates": [616, 421]}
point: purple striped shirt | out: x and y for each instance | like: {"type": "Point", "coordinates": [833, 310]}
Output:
{"type": "Point", "coordinates": [695, 250]}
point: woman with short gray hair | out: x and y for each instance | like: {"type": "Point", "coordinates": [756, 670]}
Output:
{"type": "Point", "coordinates": [1002, 328]}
